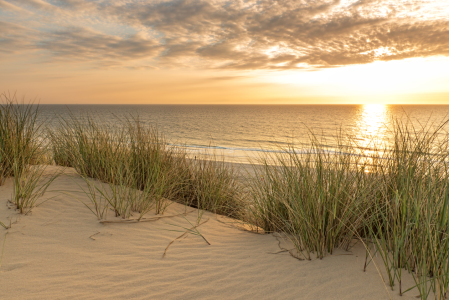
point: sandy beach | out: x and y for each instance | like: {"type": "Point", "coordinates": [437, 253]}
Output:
{"type": "Point", "coordinates": [216, 149]}
{"type": "Point", "coordinates": [61, 251]}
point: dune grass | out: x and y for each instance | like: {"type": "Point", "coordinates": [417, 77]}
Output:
{"type": "Point", "coordinates": [22, 152]}
{"type": "Point", "coordinates": [131, 160]}
{"type": "Point", "coordinates": [18, 131]}
{"type": "Point", "coordinates": [29, 185]}
{"type": "Point", "coordinates": [5, 226]}
{"type": "Point", "coordinates": [410, 223]}
{"type": "Point", "coordinates": [213, 186]}
{"type": "Point", "coordinates": [318, 197]}
{"type": "Point", "coordinates": [394, 197]}
{"type": "Point", "coordinates": [140, 169]}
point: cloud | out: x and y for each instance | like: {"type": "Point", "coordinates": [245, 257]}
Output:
{"type": "Point", "coordinates": [86, 45]}
{"type": "Point", "coordinates": [8, 6]}
{"type": "Point", "coordinates": [38, 4]}
{"type": "Point", "coordinates": [15, 38]}
{"type": "Point", "coordinates": [243, 34]}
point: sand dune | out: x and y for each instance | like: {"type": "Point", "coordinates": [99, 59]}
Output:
{"type": "Point", "coordinates": [61, 251]}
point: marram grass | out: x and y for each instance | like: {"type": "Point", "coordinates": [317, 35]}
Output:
{"type": "Point", "coordinates": [18, 131]}
{"type": "Point", "coordinates": [395, 198]}
{"type": "Point", "coordinates": [22, 152]}
{"type": "Point", "coordinates": [410, 223]}
{"type": "Point", "coordinates": [141, 170]}
{"type": "Point", "coordinates": [319, 198]}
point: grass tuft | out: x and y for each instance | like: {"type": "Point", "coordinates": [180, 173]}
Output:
{"type": "Point", "coordinates": [22, 152]}
{"type": "Point", "coordinates": [19, 129]}
{"type": "Point", "coordinates": [319, 198]}
{"type": "Point", "coordinates": [140, 170]}
{"type": "Point", "coordinates": [410, 222]}
{"type": "Point", "coordinates": [395, 197]}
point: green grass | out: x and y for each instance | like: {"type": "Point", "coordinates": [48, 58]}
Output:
{"type": "Point", "coordinates": [30, 185]}
{"type": "Point", "coordinates": [140, 170]}
{"type": "Point", "coordinates": [213, 187]}
{"type": "Point", "coordinates": [22, 152]}
{"type": "Point", "coordinates": [18, 131]}
{"type": "Point", "coordinates": [319, 198]}
{"type": "Point", "coordinates": [410, 224]}
{"type": "Point", "coordinates": [395, 198]}
{"type": "Point", "coordinates": [133, 161]}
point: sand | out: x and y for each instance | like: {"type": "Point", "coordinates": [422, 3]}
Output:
{"type": "Point", "coordinates": [61, 251]}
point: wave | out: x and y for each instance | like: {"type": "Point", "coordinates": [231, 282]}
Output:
{"type": "Point", "coordinates": [328, 149]}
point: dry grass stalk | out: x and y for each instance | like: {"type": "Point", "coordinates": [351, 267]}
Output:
{"type": "Point", "coordinates": [192, 230]}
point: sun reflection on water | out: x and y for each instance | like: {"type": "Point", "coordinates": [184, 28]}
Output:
{"type": "Point", "coordinates": [372, 124]}
{"type": "Point", "coordinates": [372, 130]}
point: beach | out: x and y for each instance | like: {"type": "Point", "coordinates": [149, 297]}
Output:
{"type": "Point", "coordinates": [192, 149]}
{"type": "Point", "coordinates": [61, 251]}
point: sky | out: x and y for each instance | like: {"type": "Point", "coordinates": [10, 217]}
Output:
{"type": "Point", "coordinates": [226, 52]}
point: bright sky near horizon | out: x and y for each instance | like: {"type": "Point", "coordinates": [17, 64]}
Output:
{"type": "Point", "coordinates": [226, 52]}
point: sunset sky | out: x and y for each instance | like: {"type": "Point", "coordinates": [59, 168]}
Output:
{"type": "Point", "coordinates": [226, 52]}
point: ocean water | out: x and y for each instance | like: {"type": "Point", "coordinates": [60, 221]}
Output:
{"type": "Point", "coordinates": [239, 132]}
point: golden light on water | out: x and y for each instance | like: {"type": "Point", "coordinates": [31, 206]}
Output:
{"type": "Point", "coordinates": [371, 130]}
{"type": "Point", "coordinates": [373, 120]}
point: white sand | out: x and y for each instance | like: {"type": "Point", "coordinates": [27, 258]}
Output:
{"type": "Point", "coordinates": [61, 251]}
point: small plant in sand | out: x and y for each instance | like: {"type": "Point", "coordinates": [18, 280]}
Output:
{"type": "Point", "coordinates": [99, 206]}
{"type": "Point", "coordinates": [192, 230]}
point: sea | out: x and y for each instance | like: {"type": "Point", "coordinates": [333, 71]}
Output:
{"type": "Point", "coordinates": [241, 133]}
